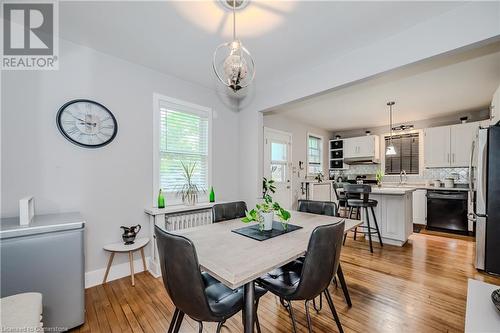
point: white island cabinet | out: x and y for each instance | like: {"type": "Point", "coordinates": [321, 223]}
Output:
{"type": "Point", "coordinates": [394, 214]}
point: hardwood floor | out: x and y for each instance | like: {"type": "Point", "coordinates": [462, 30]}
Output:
{"type": "Point", "coordinates": [421, 287]}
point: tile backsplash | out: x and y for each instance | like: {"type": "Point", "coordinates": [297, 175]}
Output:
{"type": "Point", "coordinates": [459, 174]}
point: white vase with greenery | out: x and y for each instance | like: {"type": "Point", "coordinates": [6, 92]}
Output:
{"type": "Point", "coordinates": [264, 212]}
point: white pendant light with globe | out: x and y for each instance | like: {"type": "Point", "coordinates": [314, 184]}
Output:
{"type": "Point", "coordinates": [390, 150]}
{"type": "Point", "coordinates": [232, 62]}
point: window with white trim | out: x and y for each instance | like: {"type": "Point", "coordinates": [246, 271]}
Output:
{"type": "Point", "coordinates": [184, 136]}
{"type": "Point", "coordinates": [314, 154]}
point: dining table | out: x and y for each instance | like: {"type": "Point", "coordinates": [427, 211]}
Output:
{"type": "Point", "coordinates": [237, 261]}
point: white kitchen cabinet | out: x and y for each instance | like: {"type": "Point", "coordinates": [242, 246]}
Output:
{"type": "Point", "coordinates": [461, 138]}
{"type": "Point", "coordinates": [420, 207]}
{"type": "Point", "coordinates": [394, 217]}
{"type": "Point", "coordinates": [321, 191]}
{"type": "Point", "coordinates": [437, 146]}
{"type": "Point", "coordinates": [362, 147]}
{"type": "Point", "coordinates": [449, 146]}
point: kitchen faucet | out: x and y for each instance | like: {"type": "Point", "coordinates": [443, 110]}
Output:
{"type": "Point", "coordinates": [401, 181]}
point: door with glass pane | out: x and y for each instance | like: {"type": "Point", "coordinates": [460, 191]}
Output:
{"type": "Point", "coordinates": [277, 164]}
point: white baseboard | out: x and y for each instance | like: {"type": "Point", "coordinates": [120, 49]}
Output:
{"type": "Point", "coordinates": [94, 278]}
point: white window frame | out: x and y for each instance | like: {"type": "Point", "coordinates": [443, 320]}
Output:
{"type": "Point", "coordinates": [321, 153]}
{"type": "Point", "coordinates": [157, 99]}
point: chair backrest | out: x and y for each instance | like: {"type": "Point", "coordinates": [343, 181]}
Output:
{"type": "Point", "coordinates": [318, 207]}
{"type": "Point", "coordinates": [181, 274]}
{"type": "Point", "coordinates": [228, 211]}
{"type": "Point", "coordinates": [322, 260]}
{"type": "Point", "coordinates": [337, 195]}
{"type": "Point", "coordinates": [362, 190]}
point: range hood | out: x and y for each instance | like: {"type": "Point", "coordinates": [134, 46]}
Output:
{"type": "Point", "coordinates": [361, 160]}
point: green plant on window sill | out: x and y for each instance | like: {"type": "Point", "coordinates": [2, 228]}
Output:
{"type": "Point", "coordinates": [189, 191]}
{"type": "Point", "coordinates": [266, 207]}
{"type": "Point", "coordinates": [379, 176]}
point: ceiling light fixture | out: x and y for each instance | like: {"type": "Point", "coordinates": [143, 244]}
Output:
{"type": "Point", "coordinates": [390, 150]}
{"type": "Point", "coordinates": [237, 69]}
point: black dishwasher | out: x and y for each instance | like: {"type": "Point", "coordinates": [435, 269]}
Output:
{"type": "Point", "coordinates": [447, 210]}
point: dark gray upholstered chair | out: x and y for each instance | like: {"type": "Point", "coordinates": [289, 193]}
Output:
{"type": "Point", "coordinates": [318, 207]}
{"type": "Point", "coordinates": [325, 208]}
{"type": "Point", "coordinates": [341, 198]}
{"type": "Point", "coordinates": [307, 279]}
{"type": "Point", "coordinates": [363, 202]}
{"type": "Point", "coordinates": [196, 294]}
{"type": "Point", "coordinates": [228, 211]}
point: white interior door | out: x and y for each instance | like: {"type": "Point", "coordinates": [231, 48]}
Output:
{"type": "Point", "coordinates": [278, 164]}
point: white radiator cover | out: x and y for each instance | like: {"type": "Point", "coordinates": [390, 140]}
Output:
{"type": "Point", "coordinates": [184, 220]}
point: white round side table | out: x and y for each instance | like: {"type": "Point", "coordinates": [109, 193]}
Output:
{"type": "Point", "coordinates": [114, 248]}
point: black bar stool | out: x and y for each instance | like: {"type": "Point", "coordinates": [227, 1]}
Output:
{"type": "Point", "coordinates": [364, 202]}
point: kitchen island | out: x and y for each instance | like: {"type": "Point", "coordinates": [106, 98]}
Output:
{"type": "Point", "coordinates": [394, 214]}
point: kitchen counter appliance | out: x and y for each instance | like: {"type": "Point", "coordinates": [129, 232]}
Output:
{"type": "Point", "coordinates": [46, 256]}
{"type": "Point", "coordinates": [447, 210]}
{"type": "Point", "coordinates": [487, 208]}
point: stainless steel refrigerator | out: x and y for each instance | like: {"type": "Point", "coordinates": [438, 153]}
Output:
{"type": "Point", "coordinates": [487, 207]}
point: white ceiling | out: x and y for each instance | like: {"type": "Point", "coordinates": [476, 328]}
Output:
{"type": "Point", "coordinates": [179, 38]}
{"type": "Point", "coordinates": [433, 88]}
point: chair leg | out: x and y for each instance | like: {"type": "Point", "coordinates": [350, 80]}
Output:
{"type": "Point", "coordinates": [345, 237]}
{"type": "Point", "coordinates": [318, 309]}
{"type": "Point", "coordinates": [200, 327]}
{"type": "Point", "coordinates": [369, 229]}
{"type": "Point", "coordinates": [178, 322]}
{"type": "Point", "coordinates": [308, 316]}
{"type": "Point", "coordinates": [257, 324]}
{"type": "Point", "coordinates": [355, 232]}
{"type": "Point", "coordinates": [376, 226]}
{"type": "Point", "coordinates": [219, 326]}
{"type": "Point", "coordinates": [343, 284]}
{"type": "Point", "coordinates": [282, 301]}
{"type": "Point", "coordinates": [174, 319]}
{"type": "Point", "coordinates": [292, 316]}
{"type": "Point", "coordinates": [350, 212]}
{"type": "Point", "coordinates": [334, 312]}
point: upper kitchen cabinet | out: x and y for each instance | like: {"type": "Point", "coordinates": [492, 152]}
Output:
{"type": "Point", "coordinates": [449, 146]}
{"type": "Point", "coordinates": [462, 137]}
{"type": "Point", "coordinates": [362, 148]}
{"type": "Point", "coordinates": [437, 147]}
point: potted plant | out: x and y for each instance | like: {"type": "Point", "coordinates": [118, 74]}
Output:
{"type": "Point", "coordinates": [284, 217]}
{"type": "Point", "coordinates": [378, 177]}
{"type": "Point", "coordinates": [264, 213]}
{"type": "Point", "coordinates": [189, 190]}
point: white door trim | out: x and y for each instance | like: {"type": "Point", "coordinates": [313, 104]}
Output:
{"type": "Point", "coordinates": [268, 130]}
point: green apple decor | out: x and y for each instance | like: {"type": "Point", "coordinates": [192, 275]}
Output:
{"type": "Point", "coordinates": [264, 213]}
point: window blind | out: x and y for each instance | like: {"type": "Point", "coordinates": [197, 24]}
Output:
{"type": "Point", "coordinates": [184, 136]}
{"type": "Point", "coordinates": [314, 145]}
{"type": "Point", "coordinates": [407, 154]}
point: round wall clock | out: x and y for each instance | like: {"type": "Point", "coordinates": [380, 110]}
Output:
{"type": "Point", "coordinates": [86, 123]}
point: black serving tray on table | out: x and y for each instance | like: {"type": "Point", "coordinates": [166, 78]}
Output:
{"type": "Point", "coordinates": [254, 232]}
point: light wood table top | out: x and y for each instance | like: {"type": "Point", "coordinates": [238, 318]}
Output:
{"type": "Point", "coordinates": [122, 247]}
{"type": "Point", "coordinates": [236, 260]}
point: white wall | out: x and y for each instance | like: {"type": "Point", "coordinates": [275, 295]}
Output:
{"type": "Point", "coordinates": [475, 22]}
{"type": "Point", "coordinates": [112, 185]}
{"type": "Point", "coordinates": [299, 133]}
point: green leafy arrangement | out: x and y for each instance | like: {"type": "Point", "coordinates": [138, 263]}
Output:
{"type": "Point", "coordinates": [189, 191]}
{"type": "Point", "coordinates": [267, 206]}
{"type": "Point", "coordinates": [379, 176]}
